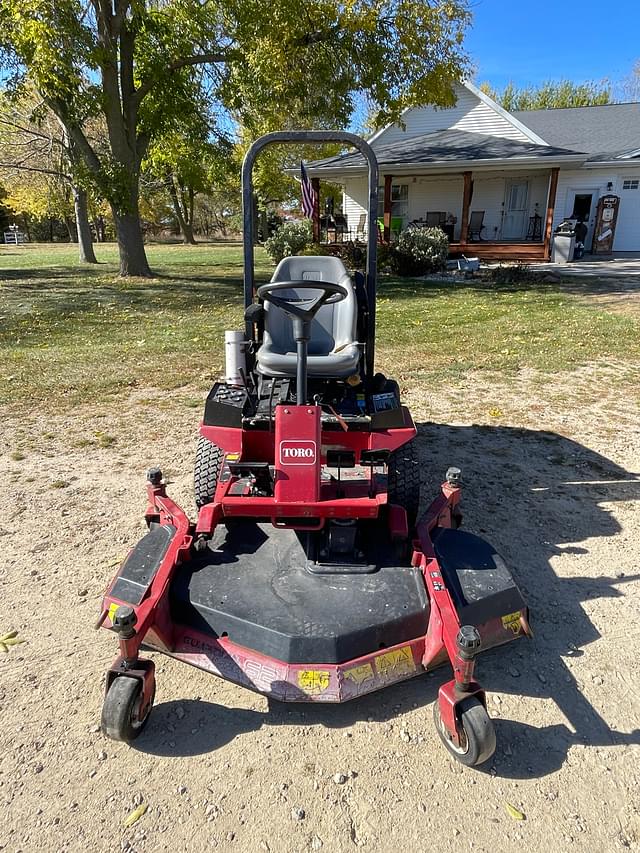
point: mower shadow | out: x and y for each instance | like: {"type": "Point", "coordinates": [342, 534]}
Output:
{"type": "Point", "coordinates": [537, 496]}
{"type": "Point", "coordinates": [206, 726]}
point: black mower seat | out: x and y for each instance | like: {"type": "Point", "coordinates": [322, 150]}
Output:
{"type": "Point", "coordinates": [253, 586]}
{"type": "Point", "coordinates": [333, 350]}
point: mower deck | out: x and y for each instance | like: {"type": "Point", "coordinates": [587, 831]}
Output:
{"type": "Point", "coordinates": [257, 585]}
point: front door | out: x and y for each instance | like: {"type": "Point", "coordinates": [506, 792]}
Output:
{"type": "Point", "coordinates": [581, 205]}
{"type": "Point", "coordinates": [515, 210]}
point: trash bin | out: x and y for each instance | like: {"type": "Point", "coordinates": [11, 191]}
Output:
{"type": "Point", "coordinates": [564, 242]}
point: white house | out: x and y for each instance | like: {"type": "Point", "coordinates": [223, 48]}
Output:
{"type": "Point", "coordinates": [502, 181]}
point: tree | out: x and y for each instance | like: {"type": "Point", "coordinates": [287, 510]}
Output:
{"type": "Point", "coordinates": [39, 165]}
{"type": "Point", "coordinates": [137, 61]}
{"type": "Point", "coordinates": [550, 95]}
{"type": "Point", "coordinates": [187, 162]}
{"type": "Point", "coordinates": [630, 86]}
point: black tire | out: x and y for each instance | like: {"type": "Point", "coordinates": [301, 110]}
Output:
{"type": "Point", "coordinates": [478, 742]}
{"type": "Point", "coordinates": [403, 480]}
{"type": "Point", "coordinates": [209, 459]}
{"type": "Point", "coordinates": [121, 709]}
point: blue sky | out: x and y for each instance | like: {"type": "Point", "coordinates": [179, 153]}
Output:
{"type": "Point", "coordinates": [529, 42]}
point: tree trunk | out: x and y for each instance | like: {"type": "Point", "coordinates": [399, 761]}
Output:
{"type": "Point", "coordinates": [186, 228]}
{"type": "Point", "coordinates": [71, 229]}
{"type": "Point", "coordinates": [133, 258]}
{"type": "Point", "coordinates": [85, 244]}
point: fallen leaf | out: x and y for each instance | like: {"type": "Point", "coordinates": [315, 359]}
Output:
{"type": "Point", "coordinates": [8, 636]}
{"type": "Point", "coordinates": [135, 815]}
{"type": "Point", "coordinates": [495, 413]}
{"type": "Point", "coordinates": [515, 813]}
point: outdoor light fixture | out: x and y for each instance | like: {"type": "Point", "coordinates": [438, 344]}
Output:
{"type": "Point", "coordinates": [609, 186]}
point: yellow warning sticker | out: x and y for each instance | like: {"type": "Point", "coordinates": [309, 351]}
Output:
{"type": "Point", "coordinates": [313, 681]}
{"type": "Point", "coordinates": [512, 621]}
{"type": "Point", "coordinates": [396, 663]}
{"type": "Point", "coordinates": [112, 610]}
{"type": "Point", "coordinates": [359, 674]}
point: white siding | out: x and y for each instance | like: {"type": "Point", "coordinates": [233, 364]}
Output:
{"type": "Point", "coordinates": [354, 202]}
{"type": "Point", "coordinates": [470, 114]}
{"type": "Point", "coordinates": [436, 193]}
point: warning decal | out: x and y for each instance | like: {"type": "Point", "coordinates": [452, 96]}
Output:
{"type": "Point", "coordinates": [359, 674]}
{"type": "Point", "coordinates": [512, 622]}
{"type": "Point", "coordinates": [313, 681]}
{"type": "Point", "coordinates": [396, 663]}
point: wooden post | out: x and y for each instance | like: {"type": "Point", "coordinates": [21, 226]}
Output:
{"type": "Point", "coordinates": [387, 209]}
{"type": "Point", "coordinates": [551, 204]}
{"type": "Point", "coordinates": [466, 202]}
{"type": "Point", "coordinates": [315, 184]}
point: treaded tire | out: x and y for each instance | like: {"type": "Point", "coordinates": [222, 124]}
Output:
{"type": "Point", "coordinates": [209, 459]}
{"type": "Point", "coordinates": [403, 480]}
{"type": "Point", "coordinates": [479, 737]}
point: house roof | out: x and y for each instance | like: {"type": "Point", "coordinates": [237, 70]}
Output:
{"type": "Point", "coordinates": [606, 132]}
{"type": "Point", "coordinates": [446, 147]}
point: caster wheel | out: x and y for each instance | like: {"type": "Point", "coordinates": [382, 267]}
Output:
{"type": "Point", "coordinates": [121, 709]}
{"type": "Point", "coordinates": [478, 737]}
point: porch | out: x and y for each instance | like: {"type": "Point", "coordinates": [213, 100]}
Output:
{"type": "Point", "coordinates": [491, 214]}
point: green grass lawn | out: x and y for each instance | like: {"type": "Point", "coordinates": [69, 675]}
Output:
{"type": "Point", "coordinates": [71, 333]}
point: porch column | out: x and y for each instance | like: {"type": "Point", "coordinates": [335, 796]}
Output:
{"type": "Point", "coordinates": [315, 219]}
{"type": "Point", "coordinates": [387, 208]}
{"type": "Point", "coordinates": [466, 203]}
{"type": "Point", "coordinates": [551, 203]}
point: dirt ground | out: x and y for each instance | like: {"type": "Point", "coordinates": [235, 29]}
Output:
{"type": "Point", "coordinates": [551, 469]}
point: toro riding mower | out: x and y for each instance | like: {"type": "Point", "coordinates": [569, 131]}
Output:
{"type": "Point", "coordinates": [308, 575]}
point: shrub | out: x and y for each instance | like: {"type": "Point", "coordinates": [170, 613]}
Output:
{"type": "Point", "coordinates": [420, 251]}
{"type": "Point", "coordinates": [288, 240]}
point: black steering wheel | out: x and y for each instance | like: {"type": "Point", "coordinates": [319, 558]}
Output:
{"type": "Point", "coordinates": [331, 293]}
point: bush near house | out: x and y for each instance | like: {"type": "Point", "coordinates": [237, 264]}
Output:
{"type": "Point", "coordinates": [290, 239]}
{"type": "Point", "coordinates": [420, 251]}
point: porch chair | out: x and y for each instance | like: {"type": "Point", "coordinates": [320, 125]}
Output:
{"type": "Point", "coordinates": [475, 225]}
{"type": "Point", "coordinates": [435, 218]}
{"type": "Point", "coordinates": [361, 230]}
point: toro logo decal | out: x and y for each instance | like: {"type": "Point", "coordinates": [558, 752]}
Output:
{"type": "Point", "coordinates": [297, 452]}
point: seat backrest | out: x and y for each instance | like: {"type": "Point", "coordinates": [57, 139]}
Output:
{"type": "Point", "coordinates": [333, 326]}
{"type": "Point", "coordinates": [477, 217]}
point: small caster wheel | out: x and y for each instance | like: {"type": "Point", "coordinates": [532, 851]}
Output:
{"type": "Point", "coordinates": [121, 710]}
{"type": "Point", "coordinates": [478, 737]}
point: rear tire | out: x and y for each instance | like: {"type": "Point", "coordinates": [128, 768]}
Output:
{"type": "Point", "coordinates": [209, 459]}
{"type": "Point", "coordinates": [403, 480]}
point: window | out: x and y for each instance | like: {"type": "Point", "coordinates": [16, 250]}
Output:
{"type": "Point", "coordinates": [399, 200]}
{"type": "Point", "coordinates": [631, 184]}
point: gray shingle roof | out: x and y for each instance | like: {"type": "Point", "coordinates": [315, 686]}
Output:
{"type": "Point", "coordinates": [445, 146]}
{"type": "Point", "coordinates": [604, 131]}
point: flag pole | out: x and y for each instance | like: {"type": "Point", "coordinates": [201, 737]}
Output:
{"type": "Point", "coordinates": [315, 220]}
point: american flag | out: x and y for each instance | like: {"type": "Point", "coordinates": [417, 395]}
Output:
{"type": "Point", "coordinates": [308, 193]}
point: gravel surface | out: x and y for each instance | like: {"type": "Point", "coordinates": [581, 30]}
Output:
{"type": "Point", "coordinates": [551, 471]}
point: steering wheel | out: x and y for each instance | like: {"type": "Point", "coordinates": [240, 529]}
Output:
{"type": "Point", "coordinates": [331, 293]}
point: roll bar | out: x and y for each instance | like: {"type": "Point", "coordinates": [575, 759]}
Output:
{"type": "Point", "coordinates": [314, 136]}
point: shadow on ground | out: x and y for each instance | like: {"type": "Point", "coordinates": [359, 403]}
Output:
{"type": "Point", "coordinates": [536, 495]}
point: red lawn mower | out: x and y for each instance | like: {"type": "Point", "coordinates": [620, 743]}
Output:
{"type": "Point", "coordinates": [308, 575]}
